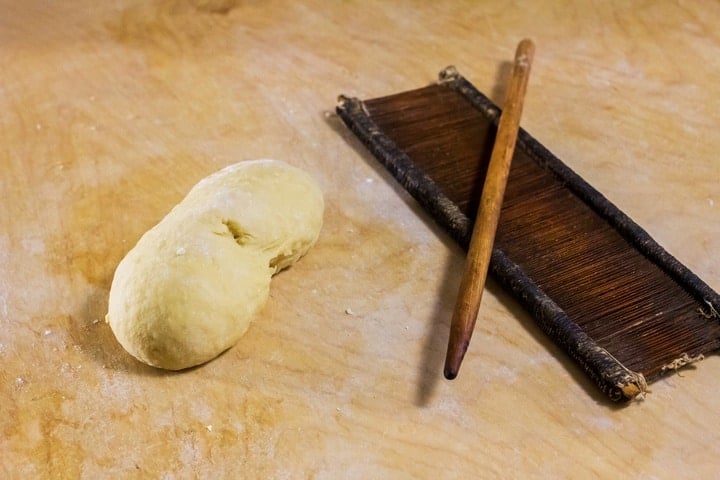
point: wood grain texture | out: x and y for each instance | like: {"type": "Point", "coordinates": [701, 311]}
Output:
{"type": "Point", "coordinates": [110, 112]}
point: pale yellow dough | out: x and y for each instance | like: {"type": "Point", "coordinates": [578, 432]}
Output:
{"type": "Point", "coordinates": [190, 287]}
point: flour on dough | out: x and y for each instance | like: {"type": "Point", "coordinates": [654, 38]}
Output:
{"type": "Point", "coordinates": [190, 287]}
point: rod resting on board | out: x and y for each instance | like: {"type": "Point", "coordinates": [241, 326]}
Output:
{"type": "Point", "coordinates": [488, 214]}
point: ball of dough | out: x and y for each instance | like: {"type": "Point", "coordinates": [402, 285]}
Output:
{"type": "Point", "coordinates": [190, 287]}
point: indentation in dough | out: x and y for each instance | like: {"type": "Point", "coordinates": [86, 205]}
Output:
{"type": "Point", "coordinates": [240, 236]}
{"type": "Point", "coordinates": [276, 262]}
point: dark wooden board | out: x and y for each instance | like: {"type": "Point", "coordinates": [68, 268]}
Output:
{"type": "Point", "coordinates": [616, 301]}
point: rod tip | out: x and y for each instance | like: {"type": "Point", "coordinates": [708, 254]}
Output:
{"type": "Point", "coordinates": [526, 43]}
{"type": "Point", "coordinates": [455, 354]}
{"type": "Point", "coordinates": [525, 52]}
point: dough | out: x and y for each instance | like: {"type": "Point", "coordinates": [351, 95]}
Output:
{"type": "Point", "coordinates": [190, 287]}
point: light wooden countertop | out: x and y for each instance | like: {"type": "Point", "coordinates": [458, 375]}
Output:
{"type": "Point", "coordinates": [111, 111]}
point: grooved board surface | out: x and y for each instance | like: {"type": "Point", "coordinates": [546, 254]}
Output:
{"type": "Point", "coordinates": [623, 301]}
{"type": "Point", "coordinates": [111, 111]}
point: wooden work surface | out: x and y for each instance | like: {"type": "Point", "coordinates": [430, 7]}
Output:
{"type": "Point", "coordinates": [111, 111]}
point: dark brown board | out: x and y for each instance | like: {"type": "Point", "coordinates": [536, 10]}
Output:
{"type": "Point", "coordinates": [620, 305]}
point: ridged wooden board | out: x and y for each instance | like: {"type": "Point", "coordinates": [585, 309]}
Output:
{"type": "Point", "coordinates": [596, 282]}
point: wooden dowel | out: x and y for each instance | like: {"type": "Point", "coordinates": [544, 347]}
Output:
{"type": "Point", "coordinates": [488, 214]}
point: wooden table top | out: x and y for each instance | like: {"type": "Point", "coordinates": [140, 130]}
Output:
{"type": "Point", "coordinates": [111, 111]}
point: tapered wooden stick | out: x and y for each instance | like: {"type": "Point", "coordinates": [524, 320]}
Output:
{"type": "Point", "coordinates": [488, 214]}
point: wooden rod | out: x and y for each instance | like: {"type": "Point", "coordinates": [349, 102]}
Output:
{"type": "Point", "coordinates": [488, 214]}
